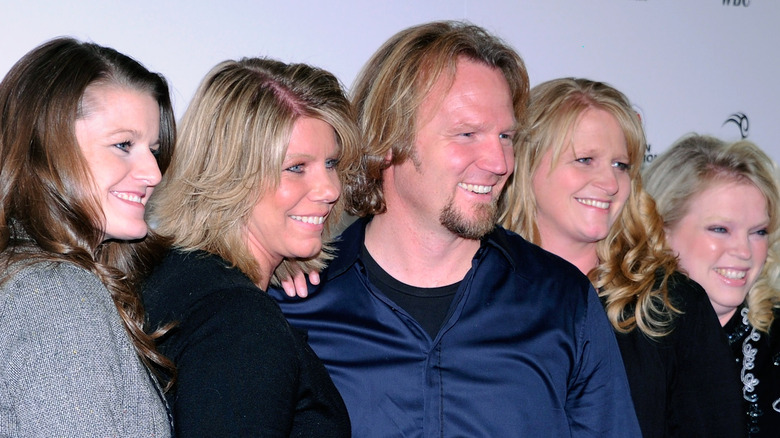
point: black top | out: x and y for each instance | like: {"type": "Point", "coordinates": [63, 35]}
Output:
{"type": "Point", "coordinates": [242, 370]}
{"type": "Point", "coordinates": [758, 361]}
{"type": "Point", "coordinates": [683, 384]}
{"type": "Point", "coordinates": [427, 305]}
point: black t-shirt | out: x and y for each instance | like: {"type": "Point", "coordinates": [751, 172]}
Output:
{"type": "Point", "coordinates": [427, 305]}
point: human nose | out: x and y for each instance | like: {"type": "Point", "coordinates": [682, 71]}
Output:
{"type": "Point", "coordinates": [147, 169]}
{"type": "Point", "coordinates": [497, 156]}
{"type": "Point", "coordinates": [740, 247]}
{"type": "Point", "coordinates": [327, 187]}
{"type": "Point", "coordinates": [607, 180]}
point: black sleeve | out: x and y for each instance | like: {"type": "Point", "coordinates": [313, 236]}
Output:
{"type": "Point", "coordinates": [705, 397]}
{"type": "Point", "coordinates": [237, 368]}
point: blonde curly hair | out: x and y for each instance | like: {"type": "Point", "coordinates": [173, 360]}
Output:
{"type": "Point", "coordinates": [634, 261]}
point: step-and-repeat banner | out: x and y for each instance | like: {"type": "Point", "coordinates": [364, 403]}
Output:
{"type": "Point", "coordinates": [707, 66]}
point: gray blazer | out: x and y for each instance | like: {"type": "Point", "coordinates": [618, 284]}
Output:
{"type": "Point", "coordinates": [67, 365]}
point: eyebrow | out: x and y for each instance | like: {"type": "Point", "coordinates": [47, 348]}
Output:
{"type": "Point", "coordinates": [718, 217]}
{"type": "Point", "coordinates": [476, 125]}
{"type": "Point", "coordinates": [132, 132]}
{"type": "Point", "coordinates": [298, 156]}
{"type": "Point", "coordinates": [593, 151]}
{"type": "Point", "coordinates": [288, 157]}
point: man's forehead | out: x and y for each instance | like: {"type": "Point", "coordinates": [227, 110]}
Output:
{"type": "Point", "coordinates": [455, 85]}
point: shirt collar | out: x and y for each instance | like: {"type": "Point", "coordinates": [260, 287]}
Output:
{"type": "Point", "coordinates": [348, 247]}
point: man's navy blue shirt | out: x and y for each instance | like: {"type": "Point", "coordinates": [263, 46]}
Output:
{"type": "Point", "coordinates": [526, 350]}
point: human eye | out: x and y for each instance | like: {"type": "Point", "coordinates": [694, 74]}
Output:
{"type": "Point", "coordinates": [331, 163]}
{"type": "Point", "coordinates": [762, 232]}
{"type": "Point", "coordinates": [584, 160]}
{"type": "Point", "coordinates": [295, 168]}
{"type": "Point", "coordinates": [155, 148]}
{"type": "Point", "coordinates": [625, 167]}
{"type": "Point", "coordinates": [123, 146]}
{"type": "Point", "coordinates": [507, 137]}
{"type": "Point", "coordinates": [717, 229]}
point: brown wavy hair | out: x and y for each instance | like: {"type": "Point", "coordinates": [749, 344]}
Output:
{"type": "Point", "coordinates": [689, 167]}
{"type": "Point", "coordinates": [233, 140]}
{"type": "Point", "coordinates": [48, 210]}
{"type": "Point", "coordinates": [634, 261]}
{"type": "Point", "coordinates": [393, 84]}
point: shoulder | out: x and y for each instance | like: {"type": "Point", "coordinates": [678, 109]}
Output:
{"type": "Point", "coordinates": [688, 296]}
{"type": "Point", "coordinates": [60, 312]}
{"type": "Point", "coordinates": [531, 261]}
{"type": "Point", "coordinates": [508, 264]}
{"type": "Point", "coordinates": [227, 330]}
{"type": "Point", "coordinates": [184, 279]}
{"type": "Point", "coordinates": [202, 292]}
{"type": "Point", "coordinates": [50, 274]}
{"type": "Point", "coordinates": [696, 327]}
{"type": "Point", "coordinates": [347, 248]}
{"type": "Point", "coordinates": [57, 287]}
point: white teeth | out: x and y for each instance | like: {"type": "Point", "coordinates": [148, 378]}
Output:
{"type": "Point", "coordinates": [731, 273]}
{"type": "Point", "coordinates": [593, 203]}
{"type": "Point", "coordinates": [127, 197]}
{"type": "Point", "coordinates": [315, 220]}
{"type": "Point", "coordinates": [476, 188]}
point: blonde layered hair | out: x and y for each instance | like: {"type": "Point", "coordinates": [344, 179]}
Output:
{"type": "Point", "coordinates": [395, 81]}
{"type": "Point", "coordinates": [634, 253]}
{"type": "Point", "coordinates": [232, 143]}
{"type": "Point", "coordinates": [691, 166]}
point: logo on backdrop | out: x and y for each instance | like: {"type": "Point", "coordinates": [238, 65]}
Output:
{"type": "Point", "coordinates": [649, 157]}
{"type": "Point", "coordinates": [741, 121]}
{"type": "Point", "coordinates": [744, 3]}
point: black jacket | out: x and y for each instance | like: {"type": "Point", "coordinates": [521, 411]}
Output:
{"type": "Point", "coordinates": [242, 370]}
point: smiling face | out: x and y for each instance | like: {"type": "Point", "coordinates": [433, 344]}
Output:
{"type": "Point", "coordinates": [118, 134]}
{"type": "Point", "coordinates": [580, 197]}
{"type": "Point", "coordinates": [287, 222]}
{"type": "Point", "coordinates": [722, 242]}
{"type": "Point", "coordinates": [463, 153]}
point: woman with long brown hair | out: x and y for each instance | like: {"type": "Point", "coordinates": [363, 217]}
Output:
{"type": "Point", "coordinates": [85, 134]}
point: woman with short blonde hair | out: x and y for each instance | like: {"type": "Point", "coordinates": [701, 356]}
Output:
{"type": "Point", "coordinates": [264, 150]}
{"type": "Point", "coordinates": [720, 205]}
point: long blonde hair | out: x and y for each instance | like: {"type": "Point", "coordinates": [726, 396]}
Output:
{"type": "Point", "coordinates": [634, 262]}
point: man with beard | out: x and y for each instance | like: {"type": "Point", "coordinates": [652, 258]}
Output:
{"type": "Point", "coordinates": [432, 321]}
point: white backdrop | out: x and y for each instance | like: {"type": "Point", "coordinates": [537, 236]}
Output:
{"type": "Point", "coordinates": [688, 65]}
